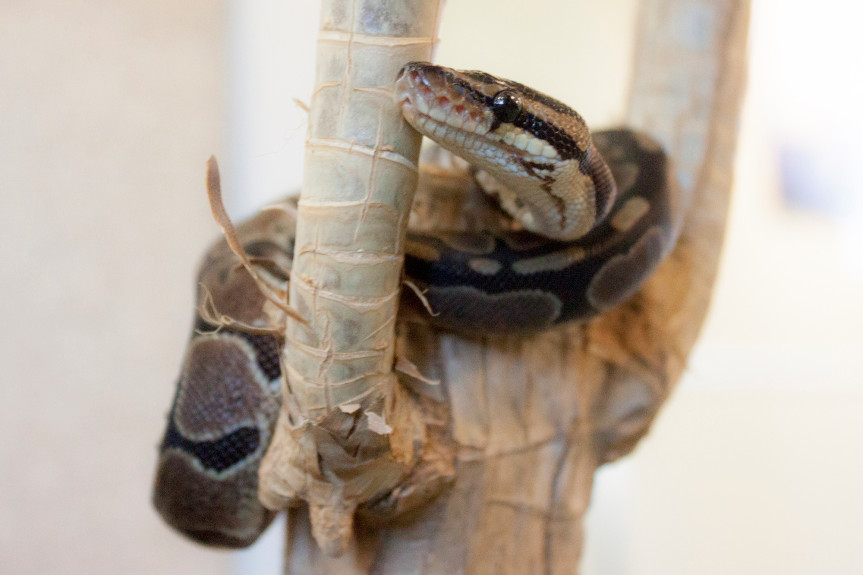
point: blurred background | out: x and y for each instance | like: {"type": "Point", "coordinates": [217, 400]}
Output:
{"type": "Point", "coordinates": [108, 111]}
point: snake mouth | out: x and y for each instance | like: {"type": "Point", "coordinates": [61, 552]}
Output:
{"type": "Point", "coordinates": [442, 131]}
{"type": "Point", "coordinates": [432, 107]}
{"type": "Point", "coordinates": [466, 138]}
{"type": "Point", "coordinates": [463, 136]}
{"type": "Point", "coordinates": [439, 107]}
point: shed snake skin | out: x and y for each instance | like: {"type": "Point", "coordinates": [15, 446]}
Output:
{"type": "Point", "coordinates": [593, 215]}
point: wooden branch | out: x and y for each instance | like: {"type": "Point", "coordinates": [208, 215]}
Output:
{"type": "Point", "coordinates": [523, 421]}
{"type": "Point", "coordinates": [346, 433]}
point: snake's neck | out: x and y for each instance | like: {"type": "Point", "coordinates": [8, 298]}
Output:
{"type": "Point", "coordinates": [536, 152]}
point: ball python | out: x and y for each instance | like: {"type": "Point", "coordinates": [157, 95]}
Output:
{"type": "Point", "coordinates": [593, 215]}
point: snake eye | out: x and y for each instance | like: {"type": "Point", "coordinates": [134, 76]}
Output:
{"type": "Point", "coordinates": [506, 106]}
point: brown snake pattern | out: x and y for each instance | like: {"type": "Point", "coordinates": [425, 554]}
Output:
{"type": "Point", "coordinates": [606, 201]}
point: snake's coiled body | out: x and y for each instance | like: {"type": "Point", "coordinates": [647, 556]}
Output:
{"type": "Point", "coordinates": [504, 282]}
{"type": "Point", "coordinates": [605, 207]}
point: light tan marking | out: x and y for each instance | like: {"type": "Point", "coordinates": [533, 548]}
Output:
{"type": "Point", "coordinates": [422, 251]}
{"type": "Point", "coordinates": [523, 242]}
{"type": "Point", "coordinates": [485, 266]}
{"type": "Point", "coordinates": [646, 142]}
{"type": "Point", "coordinates": [550, 262]}
{"type": "Point", "coordinates": [625, 175]}
{"type": "Point", "coordinates": [629, 213]}
{"type": "Point", "coordinates": [474, 244]}
{"type": "Point", "coordinates": [611, 152]}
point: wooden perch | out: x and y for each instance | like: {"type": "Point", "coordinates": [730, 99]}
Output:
{"type": "Point", "coordinates": [347, 434]}
{"type": "Point", "coordinates": [513, 432]}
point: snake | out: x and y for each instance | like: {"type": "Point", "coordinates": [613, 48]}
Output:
{"type": "Point", "coordinates": [593, 215]}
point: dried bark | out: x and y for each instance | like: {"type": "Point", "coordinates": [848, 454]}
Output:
{"type": "Point", "coordinates": [522, 423]}
{"type": "Point", "coordinates": [346, 433]}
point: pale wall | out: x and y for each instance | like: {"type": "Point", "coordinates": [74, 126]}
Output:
{"type": "Point", "coordinates": [108, 111]}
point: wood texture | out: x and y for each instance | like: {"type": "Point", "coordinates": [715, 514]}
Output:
{"type": "Point", "coordinates": [346, 433]}
{"type": "Point", "coordinates": [516, 427]}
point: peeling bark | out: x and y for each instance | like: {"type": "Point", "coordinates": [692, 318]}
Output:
{"type": "Point", "coordinates": [346, 432]}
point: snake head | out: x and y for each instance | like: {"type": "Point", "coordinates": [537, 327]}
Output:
{"type": "Point", "coordinates": [474, 110]}
{"type": "Point", "coordinates": [536, 147]}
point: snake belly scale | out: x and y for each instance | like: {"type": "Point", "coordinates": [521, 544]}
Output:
{"type": "Point", "coordinates": [593, 215]}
